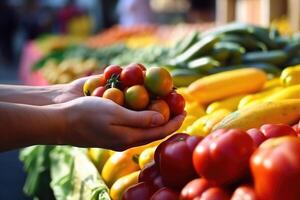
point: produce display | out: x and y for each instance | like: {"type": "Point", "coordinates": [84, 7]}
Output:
{"type": "Point", "coordinates": [240, 87]}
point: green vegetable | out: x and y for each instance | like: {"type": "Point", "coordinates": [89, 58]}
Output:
{"type": "Point", "coordinates": [275, 57]}
{"type": "Point", "coordinates": [203, 64]}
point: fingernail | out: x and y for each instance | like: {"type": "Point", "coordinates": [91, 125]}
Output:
{"type": "Point", "coordinates": [157, 119]}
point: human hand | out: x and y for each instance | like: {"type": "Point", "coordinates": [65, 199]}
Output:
{"type": "Point", "coordinates": [98, 122]}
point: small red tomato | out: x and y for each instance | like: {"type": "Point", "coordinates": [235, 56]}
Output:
{"type": "Point", "coordinates": [194, 189]}
{"type": "Point", "coordinates": [112, 70]}
{"type": "Point", "coordinates": [275, 168]}
{"type": "Point", "coordinates": [136, 97]}
{"type": "Point", "coordinates": [91, 84]}
{"type": "Point", "coordinates": [175, 160]}
{"type": "Point", "coordinates": [175, 102]}
{"type": "Point", "coordinates": [257, 136]}
{"type": "Point", "coordinates": [277, 130]}
{"type": "Point", "coordinates": [223, 156]}
{"type": "Point", "coordinates": [139, 191]}
{"type": "Point", "coordinates": [132, 75]}
{"type": "Point", "coordinates": [158, 182]}
{"type": "Point", "coordinates": [214, 193]}
{"type": "Point", "coordinates": [149, 173]}
{"type": "Point", "coordinates": [98, 92]}
{"type": "Point", "coordinates": [160, 106]}
{"type": "Point", "coordinates": [244, 193]}
{"type": "Point", "coordinates": [143, 68]}
{"type": "Point", "coordinates": [165, 194]}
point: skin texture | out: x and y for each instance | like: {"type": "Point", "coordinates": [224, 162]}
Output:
{"type": "Point", "coordinates": [59, 114]}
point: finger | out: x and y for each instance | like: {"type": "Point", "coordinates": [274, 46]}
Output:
{"type": "Point", "coordinates": [140, 119]}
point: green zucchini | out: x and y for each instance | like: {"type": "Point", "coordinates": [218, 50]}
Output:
{"type": "Point", "coordinates": [203, 64]}
{"type": "Point", "coordinates": [184, 77]}
{"type": "Point", "coordinates": [275, 57]}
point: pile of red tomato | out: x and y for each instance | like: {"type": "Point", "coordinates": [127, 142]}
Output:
{"type": "Point", "coordinates": [137, 88]}
{"type": "Point", "coordinates": [258, 164]}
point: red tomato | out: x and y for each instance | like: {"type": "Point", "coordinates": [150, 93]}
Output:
{"type": "Point", "coordinates": [132, 75]}
{"type": "Point", "coordinates": [165, 194]}
{"type": "Point", "coordinates": [257, 136]}
{"type": "Point", "coordinates": [160, 106]}
{"type": "Point", "coordinates": [295, 127]}
{"type": "Point", "coordinates": [275, 167]}
{"type": "Point", "coordinates": [244, 193]}
{"type": "Point", "coordinates": [115, 95]}
{"type": "Point", "coordinates": [110, 70]}
{"type": "Point", "coordinates": [194, 189]}
{"type": "Point", "coordinates": [139, 191]}
{"type": "Point", "coordinates": [136, 97]}
{"type": "Point", "coordinates": [158, 182]}
{"type": "Point", "coordinates": [142, 67]}
{"type": "Point", "coordinates": [149, 173]}
{"type": "Point", "coordinates": [158, 81]}
{"type": "Point", "coordinates": [214, 193]}
{"type": "Point", "coordinates": [222, 157]}
{"type": "Point", "coordinates": [277, 130]}
{"type": "Point", "coordinates": [174, 159]}
{"type": "Point", "coordinates": [175, 102]}
{"type": "Point", "coordinates": [98, 92]}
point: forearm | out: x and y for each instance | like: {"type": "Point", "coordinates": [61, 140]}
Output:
{"type": "Point", "coordinates": [25, 125]}
{"type": "Point", "coordinates": [32, 95]}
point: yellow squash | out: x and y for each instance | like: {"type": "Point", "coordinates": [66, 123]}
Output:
{"type": "Point", "coordinates": [189, 120]}
{"type": "Point", "coordinates": [291, 92]}
{"type": "Point", "coordinates": [146, 157]}
{"type": "Point", "coordinates": [270, 84]}
{"type": "Point", "coordinates": [226, 84]}
{"type": "Point", "coordinates": [194, 109]}
{"type": "Point", "coordinates": [119, 187]}
{"type": "Point", "coordinates": [230, 103]}
{"type": "Point", "coordinates": [290, 75]}
{"type": "Point", "coordinates": [98, 157]}
{"type": "Point", "coordinates": [284, 111]}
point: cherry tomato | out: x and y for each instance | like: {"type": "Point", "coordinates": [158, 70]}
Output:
{"type": "Point", "coordinates": [112, 70]}
{"type": "Point", "coordinates": [149, 173]}
{"type": "Point", "coordinates": [175, 102]}
{"type": "Point", "coordinates": [160, 106]}
{"type": "Point", "coordinates": [115, 95]}
{"type": "Point", "coordinates": [139, 191]}
{"type": "Point", "coordinates": [142, 67]}
{"type": "Point", "coordinates": [244, 192]}
{"type": "Point", "coordinates": [194, 189]}
{"type": "Point", "coordinates": [166, 194]}
{"type": "Point", "coordinates": [214, 193]}
{"type": "Point", "coordinates": [158, 81]}
{"type": "Point", "coordinates": [275, 167]}
{"type": "Point", "coordinates": [136, 97]}
{"type": "Point", "coordinates": [158, 182]}
{"type": "Point", "coordinates": [223, 156]}
{"type": "Point", "coordinates": [174, 158]}
{"type": "Point", "coordinates": [99, 91]}
{"type": "Point", "coordinates": [277, 130]}
{"type": "Point", "coordinates": [91, 84]}
{"type": "Point", "coordinates": [132, 75]}
{"type": "Point", "coordinates": [257, 136]}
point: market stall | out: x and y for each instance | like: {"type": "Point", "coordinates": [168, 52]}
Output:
{"type": "Point", "coordinates": [239, 140]}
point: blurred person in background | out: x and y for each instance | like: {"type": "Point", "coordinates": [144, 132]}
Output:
{"type": "Point", "coordinates": [201, 10]}
{"type": "Point", "coordinates": [8, 24]}
{"type": "Point", "coordinates": [133, 12]}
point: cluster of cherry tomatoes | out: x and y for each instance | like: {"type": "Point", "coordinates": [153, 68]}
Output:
{"type": "Point", "coordinates": [258, 164]}
{"type": "Point", "coordinates": [137, 88]}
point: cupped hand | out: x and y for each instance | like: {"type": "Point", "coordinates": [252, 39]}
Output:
{"type": "Point", "coordinates": [98, 122]}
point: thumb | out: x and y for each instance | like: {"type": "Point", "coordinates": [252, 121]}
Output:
{"type": "Point", "coordinates": [141, 119]}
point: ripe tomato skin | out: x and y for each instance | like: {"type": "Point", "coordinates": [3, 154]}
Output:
{"type": "Point", "coordinates": [149, 173]}
{"type": "Point", "coordinates": [131, 75]}
{"type": "Point", "coordinates": [136, 97]}
{"type": "Point", "coordinates": [110, 70]}
{"type": "Point", "coordinates": [194, 189]}
{"type": "Point", "coordinates": [175, 102]}
{"type": "Point", "coordinates": [275, 167]}
{"type": "Point", "coordinates": [115, 95]}
{"type": "Point", "coordinates": [222, 157]}
{"type": "Point", "coordinates": [175, 160]}
{"type": "Point", "coordinates": [141, 190]}
{"type": "Point", "coordinates": [160, 106]}
{"type": "Point", "coordinates": [158, 81]}
{"type": "Point", "coordinates": [277, 130]}
{"type": "Point", "coordinates": [142, 67]}
{"type": "Point", "coordinates": [214, 193]}
{"type": "Point", "coordinates": [257, 136]}
{"type": "Point", "coordinates": [244, 192]}
{"type": "Point", "coordinates": [165, 193]}
{"type": "Point", "coordinates": [99, 91]}
{"type": "Point", "coordinates": [91, 84]}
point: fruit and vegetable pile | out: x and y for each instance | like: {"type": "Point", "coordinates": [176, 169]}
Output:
{"type": "Point", "coordinates": [240, 87]}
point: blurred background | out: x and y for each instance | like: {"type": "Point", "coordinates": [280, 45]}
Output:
{"type": "Point", "coordinates": [31, 29]}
